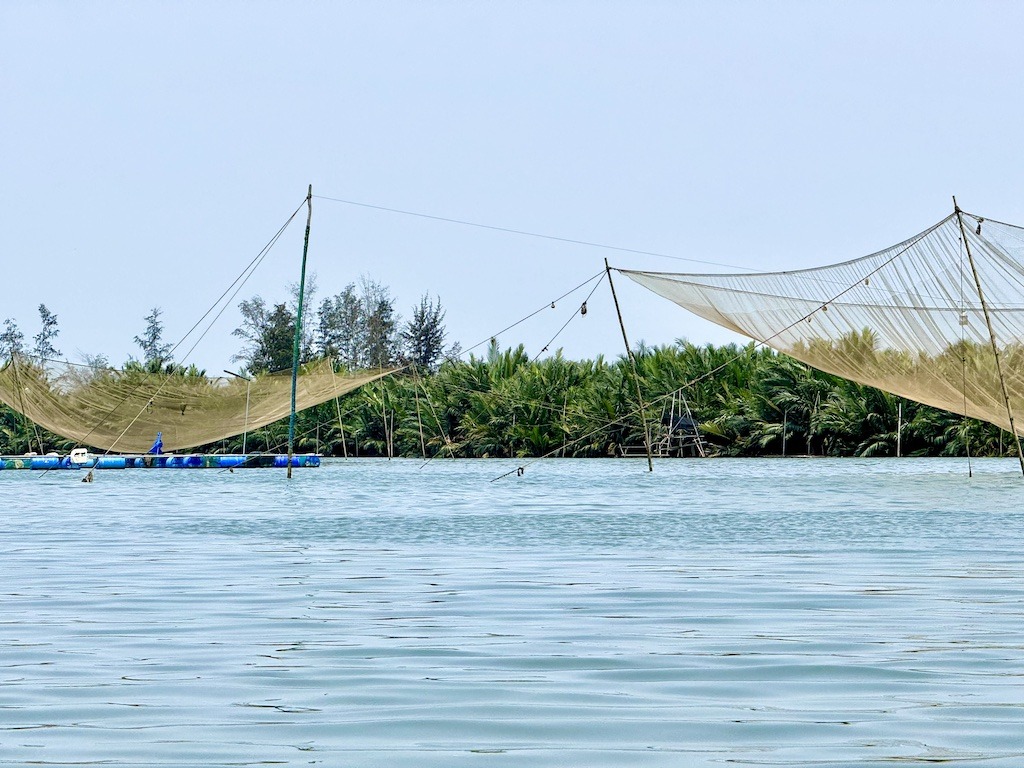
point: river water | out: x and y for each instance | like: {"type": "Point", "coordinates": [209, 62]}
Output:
{"type": "Point", "coordinates": [588, 613]}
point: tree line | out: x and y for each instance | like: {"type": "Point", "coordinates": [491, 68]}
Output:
{"type": "Point", "coordinates": [746, 400]}
{"type": "Point", "coordinates": [359, 328]}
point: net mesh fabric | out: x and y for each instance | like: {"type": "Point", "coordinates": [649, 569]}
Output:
{"type": "Point", "coordinates": [124, 410]}
{"type": "Point", "coordinates": [908, 319]}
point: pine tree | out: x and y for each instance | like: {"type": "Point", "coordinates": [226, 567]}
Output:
{"type": "Point", "coordinates": [12, 340]}
{"type": "Point", "coordinates": [150, 341]}
{"type": "Point", "coordinates": [44, 349]}
{"type": "Point", "coordinates": [423, 336]}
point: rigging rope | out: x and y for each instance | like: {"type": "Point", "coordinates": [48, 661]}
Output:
{"type": "Point", "coordinates": [549, 305]}
{"type": "Point", "coordinates": [525, 233]}
{"type": "Point", "coordinates": [964, 424]}
{"type": "Point", "coordinates": [765, 342]}
{"type": "Point", "coordinates": [578, 313]}
{"type": "Point", "coordinates": [242, 278]}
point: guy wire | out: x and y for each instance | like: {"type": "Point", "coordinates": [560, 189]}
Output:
{"type": "Point", "coordinates": [757, 343]}
{"type": "Point", "coordinates": [242, 278]}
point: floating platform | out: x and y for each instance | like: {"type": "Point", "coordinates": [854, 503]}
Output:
{"type": "Point", "coordinates": [160, 461]}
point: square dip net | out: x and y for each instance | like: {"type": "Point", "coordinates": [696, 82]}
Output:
{"type": "Point", "coordinates": [938, 318]}
{"type": "Point", "coordinates": [124, 410]}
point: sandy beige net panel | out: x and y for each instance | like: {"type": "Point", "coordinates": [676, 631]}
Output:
{"type": "Point", "coordinates": [123, 411]}
{"type": "Point", "coordinates": [907, 319]}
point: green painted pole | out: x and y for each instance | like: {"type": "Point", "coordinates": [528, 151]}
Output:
{"type": "Point", "coordinates": [298, 332]}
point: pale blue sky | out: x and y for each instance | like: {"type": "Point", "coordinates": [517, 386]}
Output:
{"type": "Point", "coordinates": [150, 149]}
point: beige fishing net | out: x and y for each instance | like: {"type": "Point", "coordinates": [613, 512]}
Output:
{"type": "Point", "coordinates": [124, 410]}
{"type": "Point", "coordinates": [909, 319]}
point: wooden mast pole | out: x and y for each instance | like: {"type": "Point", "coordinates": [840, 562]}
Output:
{"type": "Point", "coordinates": [991, 333]}
{"type": "Point", "coordinates": [632, 364]}
{"type": "Point", "coordinates": [899, 429]}
{"type": "Point", "coordinates": [298, 332]}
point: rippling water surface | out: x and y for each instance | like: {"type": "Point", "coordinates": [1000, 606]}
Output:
{"type": "Point", "coordinates": [371, 613]}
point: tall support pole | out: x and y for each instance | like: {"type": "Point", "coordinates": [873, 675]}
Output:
{"type": "Point", "coordinates": [899, 429]}
{"type": "Point", "coordinates": [245, 425]}
{"type": "Point", "coordinates": [245, 433]}
{"type": "Point", "coordinates": [632, 364]}
{"type": "Point", "coordinates": [337, 407]}
{"type": "Point", "coordinates": [298, 332]}
{"type": "Point", "coordinates": [991, 334]}
{"type": "Point", "coordinates": [785, 426]}
{"type": "Point", "coordinates": [419, 423]}
{"type": "Point", "coordinates": [21, 398]}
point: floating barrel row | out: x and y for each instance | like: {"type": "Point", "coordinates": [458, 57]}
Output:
{"type": "Point", "coordinates": [187, 461]}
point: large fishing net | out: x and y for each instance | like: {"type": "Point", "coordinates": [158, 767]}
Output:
{"type": "Point", "coordinates": [910, 319]}
{"type": "Point", "coordinates": [124, 410]}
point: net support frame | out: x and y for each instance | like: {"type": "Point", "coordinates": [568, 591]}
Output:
{"type": "Point", "coordinates": [991, 334]}
{"type": "Point", "coordinates": [632, 363]}
{"type": "Point", "coordinates": [298, 331]}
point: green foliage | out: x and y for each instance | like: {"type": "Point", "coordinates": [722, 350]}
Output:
{"type": "Point", "coordinates": [276, 348]}
{"type": "Point", "coordinates": [48, 331]}
{"type": "Point", "coordinates": [340, 328]}
{"type": "Point", "coordinates": [423, 336]}
{"type": "Point", "coordinates": [358, 328]}
{"type": "Point", "coordinates": [151, 340]}
{"type": "Point", "coordinates": [747, 401]}
{"type": "Point", "coordinates": [269, 336]}
{"type": "Point", "coordinates": [12, 340]}
{"type": "Point", "coordinates": [380, 342]}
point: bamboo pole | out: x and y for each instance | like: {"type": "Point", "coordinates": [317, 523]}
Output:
{"type": "Point", "coordinates": [337, 407]}
{"type": "Point", "coordinates": [21, 398]}
{"type": "Point", "coordinates": [991, 334]}
{"type": "Point", "coordinates": [391, 436]}
{"type": "Point", "coordinates": [298, 332]}
{"type": "Point", "coordinates": [899, 429]}
{"type": "Point", "coordinates": [341, 424]}
{"type": "Point", "coordinates": [419, 420]}
{"type": "Point", "coordinates": [565, 429]}
{"type": "Point", "coordinates": [636, 375]}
